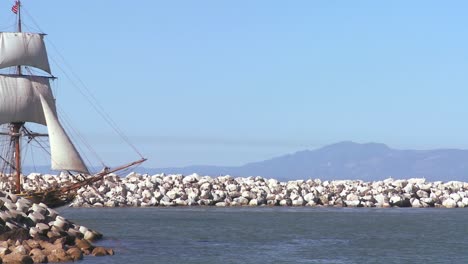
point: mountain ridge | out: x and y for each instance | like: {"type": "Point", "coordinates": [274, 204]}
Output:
{"type": "Point", "coordinates": [342, 160]}
{"type": "Point", "coordinates": [349, 160]}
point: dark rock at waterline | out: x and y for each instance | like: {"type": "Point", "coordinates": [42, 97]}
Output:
{"type": "Point", "coordinates": [16, 234]}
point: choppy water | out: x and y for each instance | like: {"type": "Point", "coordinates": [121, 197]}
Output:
{"type": "Point", "coordinates": [278, 235]}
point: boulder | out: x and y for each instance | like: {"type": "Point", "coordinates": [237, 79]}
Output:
{"type": "Point", "coordinates": [75, 253]}
{"type": "Point", "coordinates": [17, 259]}
{"type": "Point", "coordinates": [241, 200]}
{"type": "Point", "coordinates": [381, 200]}
{"type": "Point", "coordinates": [449, 203]}
{"type": "Point", "coordinates": [38, 257]}
{"type": "Point", "coordinates": [18, 234]}
{"type": "Point", "coordinates": [416, 203]}
{"type": "Point", "coordinates": [455, 196]}
{"type": "Point", "coordinates": [253, 202]}
{"type": "Point", "coordinates": [99, 251]}
{"type": "Point", "coordinates": [4, 251]}
{"type": "Point", "coordinates": [352, 203]}
{"type": "Point", "coordinates": [58, 255]}
{"type": "Point", "coordinates": [298, 201]}
{"type": "Point", "coordinates": [422, 194]}
{"type": "Point", "coordinates": [83, 244]}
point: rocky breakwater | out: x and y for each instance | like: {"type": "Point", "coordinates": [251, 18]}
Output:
{"type": "Point", "coordinates": [193, 190]}
{"type": "Point", "coordinates": [34, 233]}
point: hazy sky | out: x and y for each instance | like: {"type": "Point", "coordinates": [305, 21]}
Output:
{"type": "Point", "coordinates": [228, 82]}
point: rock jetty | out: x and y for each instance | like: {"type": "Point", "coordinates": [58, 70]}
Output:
{"type": "Point", "coordinates": [34, 233]}
{"type": "Point", "coordinates": [193, 190]}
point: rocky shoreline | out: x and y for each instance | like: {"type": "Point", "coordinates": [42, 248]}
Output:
{"type": "Point", "coordinates": [139, 190]}
{"type": "Point", "coordinates": [34, 233]}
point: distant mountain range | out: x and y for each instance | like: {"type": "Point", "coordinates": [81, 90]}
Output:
{"type": "Point", "coordinates": [346, 160]}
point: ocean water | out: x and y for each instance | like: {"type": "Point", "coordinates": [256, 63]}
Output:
{"type": "Point", "coordinates": [277, 234]}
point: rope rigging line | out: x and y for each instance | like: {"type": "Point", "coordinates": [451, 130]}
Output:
{"type": "Point", "coordinates": [11, 156]}
{"type": "Point", "coordinates": [24, 11]}
{"type": "Point", "coordinates": [39, 143]}
{"type": "Point", "coordinates": [89, 96]}
{"type": "Point", "coordinates": [28, 132]}
{"type": "Point", "coordinates": [67, 122]}
{"type": "Point", "coordinates": [11, 25]}
{"type": "Point", "coordinates": [35, 144]}
{"type": "Point", "coordinates": [86, 93]}
{"type": "Point", "coordinates": [4, 155]}
{"type": "Point", "coordinates": [33, 160]}
{"type": "Point", "coordinates": [24, 154]}
{"type": "Point", "coordinates": [7, 27]}
{"type": "Point", "coordinates": [40, 146]}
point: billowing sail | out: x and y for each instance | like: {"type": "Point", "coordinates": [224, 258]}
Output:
{"type": "Point", "coordinates": [20, 101]}
{"type": "Point", "coordinates": [18, 48]}
{"type": "Point", "coordinates": [64, 155]}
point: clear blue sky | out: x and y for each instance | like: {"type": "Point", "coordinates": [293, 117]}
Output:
{"type": "Point", "coordinates": [228, 82]}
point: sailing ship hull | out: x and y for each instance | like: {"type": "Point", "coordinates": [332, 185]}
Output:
{"type": "Point", "coordinates": [52, 200]}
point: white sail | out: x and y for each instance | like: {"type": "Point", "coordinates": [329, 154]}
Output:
{"type": "Point", "coordinates": [64, 155]}
{"type": "Point", "coordinates": [18, 48]}
{"type": "Point", "coordinates": [20, 101]}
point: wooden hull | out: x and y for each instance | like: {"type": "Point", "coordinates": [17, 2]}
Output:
{"type": "Point", "coordinates": [64, 195]}
{"type": "Point", "coordinates": [51, 199]}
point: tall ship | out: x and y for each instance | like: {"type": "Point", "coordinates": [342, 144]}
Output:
{"type": "Point", "coordinates": [26, 99]}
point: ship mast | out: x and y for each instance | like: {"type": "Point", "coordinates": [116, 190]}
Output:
{"type": "Point", "coordinates": [16, 127]}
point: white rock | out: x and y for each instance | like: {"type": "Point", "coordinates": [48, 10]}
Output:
{"type": "Point", "coordinates": [90, 235]}
{"type": "Point", "coordinates": [158, 195]}
{"type": "Point", "coordinates": [427, 200]}
{"type": "Point", "coordinates": [465, 201]}
{"type": "Point", "coordinates": [83, 229]}
{"type": "Point", "coordinates": [352, 197]}
{"type": "Point", "coordinates": [33, 231]}
{"type": "Point", "coordinates": [249, 195]}
{"type": "Point", "coordinates": [36, 217]}
{"type": "Point", "coordinates": [172, 194]}
{"type": "Point", "coordinates": [395, 199]}
{"type": "Point", "coordinates": [232, 188]}
{"type": "Point", "coordinates": [191, 202]}
{"type": "Point", "coordinates": [241, 200]}
{"type": "Point", "coordinates": [189, 179]}
{"type": "Point", "coordinates": [206, 186]}
{"type": "Point", "coordinates": [422, 194]}
{"type": "Point", "coordinates": [449, 203]}
{"type": "Point", "coordinates": [381, 199]}
{"type": "Point", "coordinates": [309, 197]}
{"type": "Point", "coordinates": [455, 196]}
{"type": "Point", "coordinates": [253, 202]}
{"type": "Point", "coordinates": [352, 203]}
{"type": "Point", "coordinates": [417, 181]}
{"type": "Point", "coordinates": [408, 188]}
{"type": "Point", "coordinates": [298, 202]}
{"type": "Point", "coordinates": [180, 202]}
{"type": "Point", "coordinates": [205, 194]}
{"type": "Point", "coordinates": [362, 189]}
{"type": "Point", "coordinates": [111, 203]}
{"type": "Point", "coordinates": [42, 228]}
{"type": "Point", "coordinates": [416, 203]}
{"type": "Point", "coordinates": [60, 223]}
